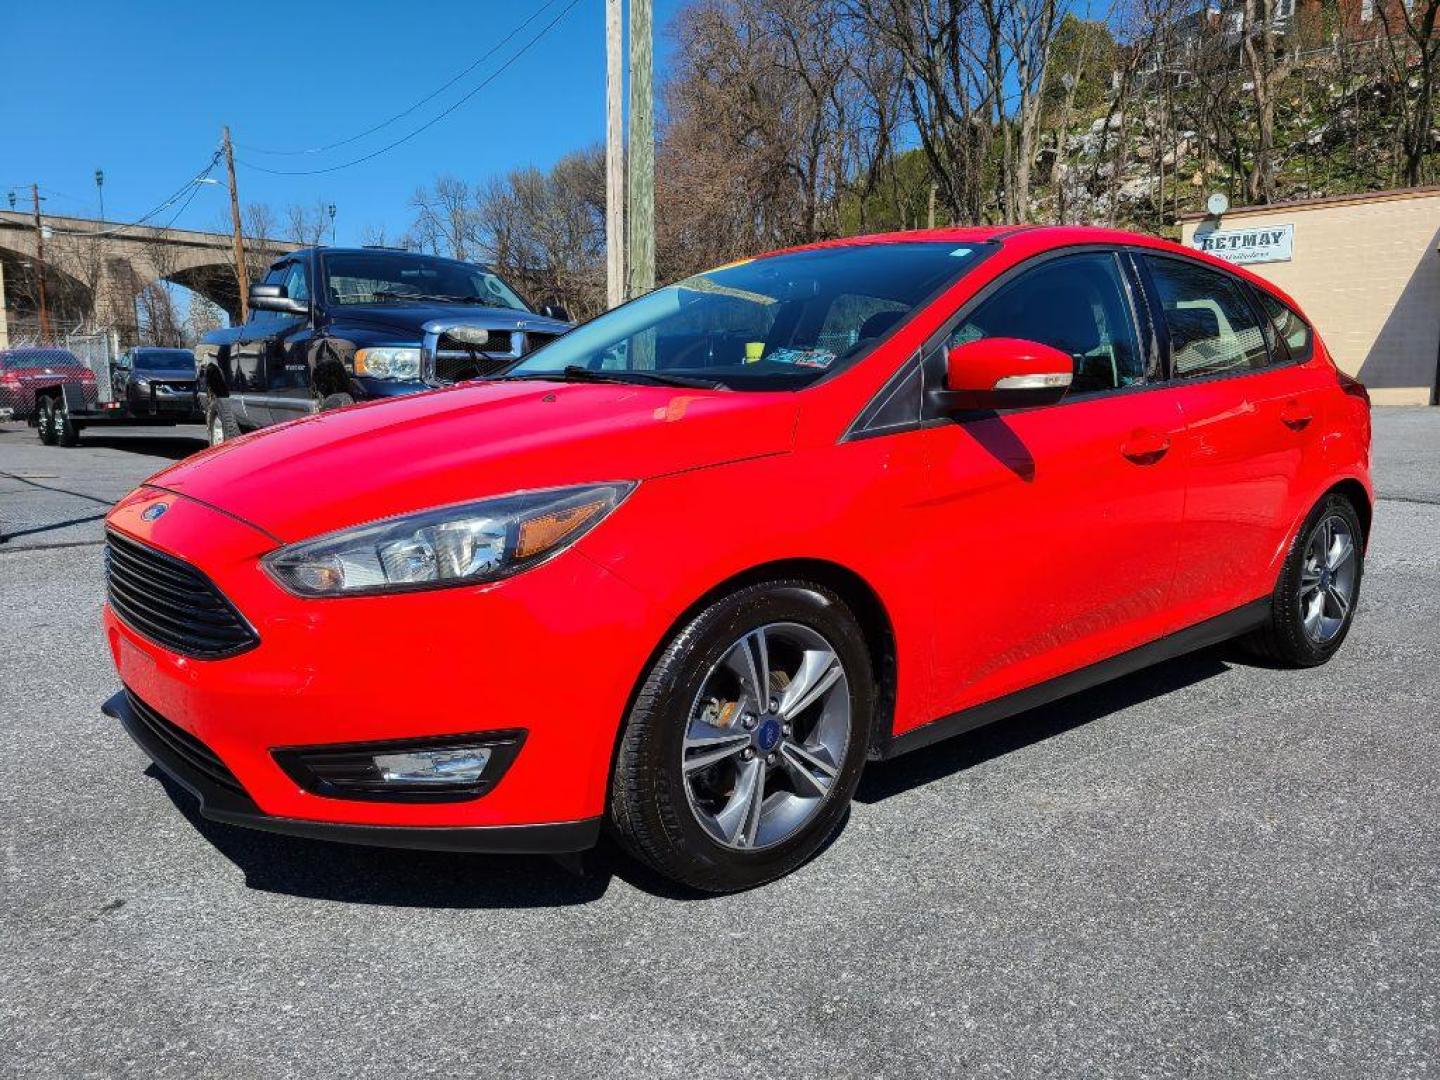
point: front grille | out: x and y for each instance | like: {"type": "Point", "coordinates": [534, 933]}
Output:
{"type": "Point", "coordinates": [534, 340]}
{"type": "Point", "coordinates": [456, 360]}
{"type": "Point", "coordinates": [172, 603]}
{"type": "Point", "coordinates": [190, 750]}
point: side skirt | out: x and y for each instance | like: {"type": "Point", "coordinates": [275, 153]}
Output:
{"type": "Point", "coordinates": [1201, 635]}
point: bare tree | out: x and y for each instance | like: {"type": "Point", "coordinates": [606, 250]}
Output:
{"type": "Point", "coordinates": [445, 218]}
{"type": "Point", "coordinates": [1411, 45]}
{"type": "Point", "coordinates": [307, 225]}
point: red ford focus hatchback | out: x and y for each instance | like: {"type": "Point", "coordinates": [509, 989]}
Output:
{"type": "Point", "coordinates": [686, 570]}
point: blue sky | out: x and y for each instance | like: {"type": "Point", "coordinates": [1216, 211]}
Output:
{"type": "Point", "coordinates": [142, 88]}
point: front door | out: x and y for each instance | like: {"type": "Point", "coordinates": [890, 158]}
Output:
{"type": "Point", "coordinates": [1071, 508]}
{"type": "Point", "coordinates": [249, 388]}
{"type": "Point", "coordinates": [286, 361]}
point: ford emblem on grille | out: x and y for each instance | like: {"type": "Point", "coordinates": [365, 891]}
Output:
{"type": "Point", "coordinates": [153, 511]}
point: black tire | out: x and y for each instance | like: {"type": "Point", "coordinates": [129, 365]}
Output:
{"type": "Point", "coordinates": [335, 401]}
{"type": "Point", "coordinates": [220, 423]}
{"type": "Point", "coordinates": [1284, 640]}
{"type": "Point", "coordinates": [67, 432]}
{"type": "Point", "coordinates": [45, 422]}
{"type": "Point", "coordinates": [649, 807]}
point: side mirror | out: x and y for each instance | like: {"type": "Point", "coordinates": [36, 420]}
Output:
{"type": "Point", "coordinates": [273, 298]}
{"type": "Point", "coordinates": [555, 311]}
{"type": "Point", "coordinates": [1005, 373]}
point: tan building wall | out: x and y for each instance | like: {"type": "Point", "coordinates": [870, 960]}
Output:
{"type": "Point", "coordinates": [1365, 268]}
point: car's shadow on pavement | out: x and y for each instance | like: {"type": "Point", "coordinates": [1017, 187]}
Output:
{"type": "Point", "coordinates": [173, 447]}
{"type": "Point", "coordinates": [435, 879]}
{"type": "Point", "coordinates": [355, 874]}
{"type": "Point", "coordinates": [1036, 725]}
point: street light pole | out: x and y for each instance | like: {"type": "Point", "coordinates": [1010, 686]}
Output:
{"type": "Point", "coordinates": [332, 224]}
{"type": "Point", "coordinates": [242, 273]}
{"type": "Point", "coordinates": [100, 190]}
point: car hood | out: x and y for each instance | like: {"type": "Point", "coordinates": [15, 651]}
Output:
{"type": "Point", "coordinates": [407, 320]}
{"type": "Point", "coordinates": [382, 458]}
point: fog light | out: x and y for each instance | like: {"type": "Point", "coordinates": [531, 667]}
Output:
{"type": "Point", "coordinates": [443, 769]}
{"type": "Point", "coordinates": [433, 766]}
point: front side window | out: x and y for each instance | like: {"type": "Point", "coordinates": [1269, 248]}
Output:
{"type": "Point", "coordinates": [274, 276]}
{"type": "Point", "coordinates": [297, 282]}
{"type": "Point", "coordinates": [1213, 330]}
{"type": "Point", "coordinates": [393, 277]}
{"type": "Point", "coordinates": [1075, 304]}
{"type": "Point", "coordinates": [774, 323]}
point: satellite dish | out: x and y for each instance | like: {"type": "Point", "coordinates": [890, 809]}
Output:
{"type": "Point", "coordinates": [1217, 204]}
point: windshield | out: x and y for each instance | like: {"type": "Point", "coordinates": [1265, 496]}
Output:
{"type": "Point", "coordinates": [774, 323]}
{"type": "Point", "coordinates": [165, 359]}
{"type": "Point", "coordinates": [388, 277]}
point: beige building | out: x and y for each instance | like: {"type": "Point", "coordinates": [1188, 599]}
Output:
{"type": "Point", "coordinates": [1365, 268]}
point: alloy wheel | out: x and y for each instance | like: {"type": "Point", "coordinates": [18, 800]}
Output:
{"type": "Point", "coordinates": [766, 737]}
{"type": "Point", "coordinates": [1327, 579]}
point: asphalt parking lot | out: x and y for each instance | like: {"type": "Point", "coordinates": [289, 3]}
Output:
{"type": "Point", "coordinates": [1207, 869]}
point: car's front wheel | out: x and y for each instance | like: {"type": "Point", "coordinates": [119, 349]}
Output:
{"type": "Point", "coordinates": [747, 738]}
{"type": "Point", "coordinates": [220, 421]}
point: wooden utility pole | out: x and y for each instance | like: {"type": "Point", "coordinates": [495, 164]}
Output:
{"type": "Point", "coordinates": [242, 273]}
{"type": "Point", "coordinates": [641, 189]}
{"type": "Point", "coordinates": [614, 153]}
{"type": "Point", "coordinates": [40, 267]}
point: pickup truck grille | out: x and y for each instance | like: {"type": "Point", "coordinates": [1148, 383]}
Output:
{"type": "Point", "coordinates": [171, 603]}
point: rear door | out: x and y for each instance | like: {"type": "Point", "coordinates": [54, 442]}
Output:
{"type": "Point", "coordinates": [1055, 527]}
{"type": "Point", "coordinates": [1246, 433]}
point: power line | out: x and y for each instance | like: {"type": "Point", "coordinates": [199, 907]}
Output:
{"type": "Point", "coordinates": [401, 115]}
{"type": "Point", "coordinates": [188, 188]}
{"type": "Point", "coordinates": [429, 123]}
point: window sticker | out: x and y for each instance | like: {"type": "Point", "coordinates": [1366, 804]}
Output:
{"type": "Point", "coordinates": [818, 358]}
{"type": "Point", "coordinates": [960, 253]}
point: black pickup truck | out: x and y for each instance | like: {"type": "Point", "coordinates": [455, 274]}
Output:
{"type": "Point", "coordinates": [332, 326]}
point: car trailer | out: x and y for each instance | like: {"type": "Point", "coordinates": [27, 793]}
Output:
{"type": "Point", "coordinates": [62, 412]}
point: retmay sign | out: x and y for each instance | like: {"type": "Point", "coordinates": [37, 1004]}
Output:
{"type": "Point", "coordinates": [1261, 244]}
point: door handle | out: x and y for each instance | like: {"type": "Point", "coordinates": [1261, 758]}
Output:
{"type": "Point", "coordinates": [1145, 447]}
{"type": "Point", "coordinates": [1295, 416]}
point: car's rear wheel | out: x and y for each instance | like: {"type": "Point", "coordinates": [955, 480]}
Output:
{"type": "Point", "coordinates": [67, 432]}
{"type": "Point", "coordinates": [45, 423]}
{"type": "Point", "coordinates": [747, 738]}
{"type": "Point", "coordinates": [1314, 601]}
{"type": "Point", "coordinates": [220, 422]}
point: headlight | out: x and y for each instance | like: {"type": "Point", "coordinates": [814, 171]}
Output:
{"type": "Point", "coordinates": [455, 545]}
{"type": "Point", "coordinates": [388, 363]}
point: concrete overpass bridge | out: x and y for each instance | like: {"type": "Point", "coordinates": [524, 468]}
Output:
{"type": "Point", "coordinates": [96, 269]}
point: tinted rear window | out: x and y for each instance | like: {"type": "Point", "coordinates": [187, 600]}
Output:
{"type": "Point", "coordinates": [42, 358]}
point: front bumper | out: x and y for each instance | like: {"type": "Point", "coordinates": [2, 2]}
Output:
{"type": "Point", "coordinates": [554, 651]}
{"type": "Point", "coordinates": [221, 802]}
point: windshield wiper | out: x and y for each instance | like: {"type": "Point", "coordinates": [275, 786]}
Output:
{"type": "Point", "coordinates": [576, 373]}
{"type": "Point", "coordinates": [385, 294]}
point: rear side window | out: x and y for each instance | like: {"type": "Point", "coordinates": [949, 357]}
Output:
{"type": "Point", "coordinates": [1213, 329]}
{"type": "Point", "coordinates": [1075, 304]}
{"type": "Point", "coordinates": [1288, 327]}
